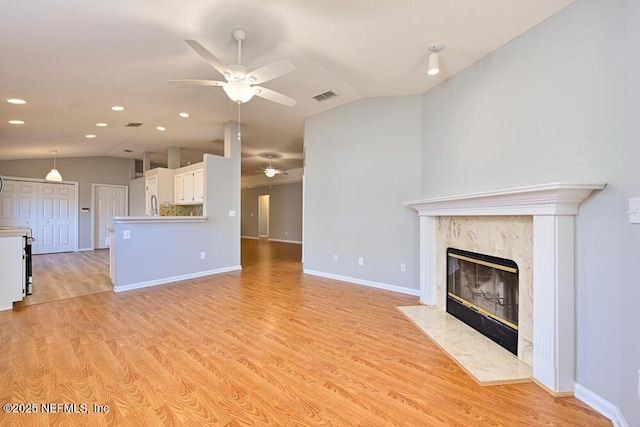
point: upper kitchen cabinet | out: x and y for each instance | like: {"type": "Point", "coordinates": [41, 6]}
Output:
{"type": "Point", "coordinates": [189, 187]}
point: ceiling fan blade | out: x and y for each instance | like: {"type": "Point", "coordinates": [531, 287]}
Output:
{"type": "Point", "coordinates": [208, 56]}
{"type": "Point", "coordinates": [270, 72]}
{"type": "Point", "coordinates": [198, 82]}
{"type": "Point", "coordinates": [274, 96]}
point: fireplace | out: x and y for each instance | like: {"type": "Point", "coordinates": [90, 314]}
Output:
{"type": "Point", "coordinates": [482, 291]}
{"type": "Point", "coordinates": [552, 208]}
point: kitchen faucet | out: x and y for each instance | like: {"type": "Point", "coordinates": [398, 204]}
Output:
{"type": "Point", "coordinates": [154, 205]}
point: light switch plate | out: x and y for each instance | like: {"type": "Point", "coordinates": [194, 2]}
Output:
{"type": "Point", "coordinates": [232, 213]}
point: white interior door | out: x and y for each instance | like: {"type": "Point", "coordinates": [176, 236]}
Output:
{"type": "Point", "coordinates": [110, 201]}
{"type": "Point", "coordinates": [19, 204]}
{"type": "Point", "coordinates": [56, 218]}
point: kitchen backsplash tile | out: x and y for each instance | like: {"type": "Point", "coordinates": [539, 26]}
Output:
{"type": "Point", "coordinates": [181, 210]}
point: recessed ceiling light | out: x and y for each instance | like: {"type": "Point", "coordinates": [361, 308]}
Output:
{"type": "Point", "coordinates": [16, 122]}
{"type": "Point", "coordinates": [16, 101]}
{"type": "Point", "coordinates": [160, 128]}
{"type": "Point", "coordinates": [90, 136]}
{"type": "Point", "coordinates": [185, 115]}
{"type": "Point", "coordinates": [101, 125]}
{"type": "Point", "coordinates": [117, 108]}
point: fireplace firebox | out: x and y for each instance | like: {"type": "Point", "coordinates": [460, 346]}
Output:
{"type": "Point", "coordinates": [482, 291]}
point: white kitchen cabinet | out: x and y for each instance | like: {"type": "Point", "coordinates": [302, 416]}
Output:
{"type": "Point", "coordinates": [12, 268]}
{"type": "Point", "coordinates": [189, 187]}
{"type": "Point", "coordinates": [198, 186]}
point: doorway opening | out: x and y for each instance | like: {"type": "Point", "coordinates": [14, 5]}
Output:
{"type": "Point", "coordinates": [263, 216]}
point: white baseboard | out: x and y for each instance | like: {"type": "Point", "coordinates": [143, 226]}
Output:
{"type": "Point", "coordinates": [165, 280]}
{"type": "Point", "coordinates": [378, 285]}
{"type": "Point", "coordinates": [85, 249]}
{"type": "Point", "coordinates": [250, 237]}
{"type": "Point", "coordinates": [286, 241]}
{"type": "Point", "coordinates": [601, 405]}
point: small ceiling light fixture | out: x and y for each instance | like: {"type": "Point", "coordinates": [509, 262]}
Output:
{"type": "Point", "coordinates": [117, 108]}
{"type": "Point", "coordinates": [16, 122]}
{"type": "Point", "coordinates": [270, 171]}
{"type": "Point", "coordinates": [184, 115]}
{"type": "Point", "coordinates": [16, 101]}
{"type": "Point", "coordinates": [160, 128]}
{"type": "Point", "coordinates": [53, 174]}
{"type": "Point", "coordinates": [240, 92]}
{"type": "Point", "coordinates": [101, 125]}
{"type": "Point", "coordinates": [434, 58]}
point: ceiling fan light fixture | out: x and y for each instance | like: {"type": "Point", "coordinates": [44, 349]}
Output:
{"type": "Point", "coordinates": [239, 92]}
{"type": "Point", "coordinates": [270, 172]}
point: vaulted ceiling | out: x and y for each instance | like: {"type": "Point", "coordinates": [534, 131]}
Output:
{"type": "Point", "coordinates": [72, 60]}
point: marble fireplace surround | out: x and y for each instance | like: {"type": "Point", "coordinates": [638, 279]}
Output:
{"type": "Point", "coordinates": [551, 208]}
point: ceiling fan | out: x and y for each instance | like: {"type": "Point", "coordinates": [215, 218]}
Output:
{"type": "Point", "coordinates": [240, 84]}
{"type": "Point", "coordinates": [270, 171]}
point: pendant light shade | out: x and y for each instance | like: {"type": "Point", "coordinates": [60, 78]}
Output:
{"type": "Point", "coordinates": [270, 172]}
{"type": "Point", "coordinates": [53, 174]}
{"type": "Point", "coordinates": [239, 92]}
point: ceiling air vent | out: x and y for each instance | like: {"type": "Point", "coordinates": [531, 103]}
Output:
{"type": "Point", "coordinates": [134, 125]}
{"type": "Point", "coordinates": [324, 96]}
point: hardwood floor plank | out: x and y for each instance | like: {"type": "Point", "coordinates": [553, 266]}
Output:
{"type": "Point", "coordinates": [267, 345]}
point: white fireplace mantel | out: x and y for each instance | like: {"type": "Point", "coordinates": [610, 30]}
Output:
{"type": "Point", "coordinates": [553, 207]}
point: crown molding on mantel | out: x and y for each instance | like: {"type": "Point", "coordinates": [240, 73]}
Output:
{"type": "Point", "coordinates": [559, 198]}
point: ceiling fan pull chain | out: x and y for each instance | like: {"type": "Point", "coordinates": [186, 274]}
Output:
{"type": "Point", "coordinates": [239, 134]}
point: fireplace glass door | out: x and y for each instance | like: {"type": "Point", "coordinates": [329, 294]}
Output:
{"type": "Point", "coordinates": [482, 291]}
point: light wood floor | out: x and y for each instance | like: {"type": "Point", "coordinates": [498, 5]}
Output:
{"type": "Point", "coordinates": [264, 346]}
{"type": "Point", "coordinates": [67, 275]}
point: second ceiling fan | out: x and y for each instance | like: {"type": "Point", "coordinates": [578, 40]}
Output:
{"type": "Point", "coordinates": [240, 84]}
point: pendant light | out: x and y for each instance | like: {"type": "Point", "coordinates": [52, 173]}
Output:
{"type": "Point", "coordinates": [53, 174]}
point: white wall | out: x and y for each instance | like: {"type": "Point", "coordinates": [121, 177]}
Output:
{"type": "Point", "coordinates": [362, 162]}
{"type": "Point", "coordinates": [559, 103]}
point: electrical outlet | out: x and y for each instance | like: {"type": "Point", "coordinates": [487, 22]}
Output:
{"type": "Point", "coordinates": [335, 257]}
{"type": "Point", "coordinates": [126, 234]}
{"type": "Point", "coordinates": [203, 255]}
{"type": "Point", "coordinates": [403, 267]}
{"type": "Point", "coordinates": [360, 261]}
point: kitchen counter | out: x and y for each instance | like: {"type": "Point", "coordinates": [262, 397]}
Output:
{"type": "Point", "coordinates": [158, 219]}
{"type": "Point", "coordinates": [15, 231]}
